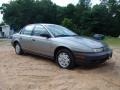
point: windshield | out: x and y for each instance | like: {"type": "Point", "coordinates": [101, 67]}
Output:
{"type": "Point", "coordinates": [59, 31]}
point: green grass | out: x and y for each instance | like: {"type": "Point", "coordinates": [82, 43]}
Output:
{"type": "Point", "coordinates": [112, 41]}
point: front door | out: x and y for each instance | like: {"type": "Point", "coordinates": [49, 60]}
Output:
{"type": "Point", "coordinates": [41, 44]}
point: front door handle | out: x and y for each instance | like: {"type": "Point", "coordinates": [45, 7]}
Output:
{"type": "Point", "coordinates": [33, 39]}
{"type": "Point", "coordinates": [20, 38]}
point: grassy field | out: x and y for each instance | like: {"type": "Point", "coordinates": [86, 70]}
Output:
{"type": "Point", "coordinates": [112, 41]}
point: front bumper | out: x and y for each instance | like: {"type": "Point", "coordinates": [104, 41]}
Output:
{"type": "Point", "coordinates": [92, 58]}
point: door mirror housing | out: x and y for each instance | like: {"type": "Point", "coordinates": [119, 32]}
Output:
{"type": "Point", "coordinates": [45, 35]}
{"type": "Point", "coordinates": [99, 36]}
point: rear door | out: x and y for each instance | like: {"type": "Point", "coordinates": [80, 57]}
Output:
{"type": "Point", "coordinates": [41, 44]}
{"type": "Point", "coordinates": [25, 38]}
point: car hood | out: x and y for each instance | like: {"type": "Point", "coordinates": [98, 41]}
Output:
{"type": "Point", "coordinates": [82, 41]}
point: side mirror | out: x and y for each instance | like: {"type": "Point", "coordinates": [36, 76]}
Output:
{"type": "Point", "coordinates": [98, 37]}
{"type": "Point", "coordinates": [46, 35]}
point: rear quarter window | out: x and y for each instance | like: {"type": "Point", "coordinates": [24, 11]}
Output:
{"type": "Point", "coordinates": [27, 30]}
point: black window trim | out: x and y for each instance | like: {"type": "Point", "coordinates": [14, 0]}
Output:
{"type": "Point", "coordinates": [43, 27]}
{"type": "Point", "coordinates": [24, 29]}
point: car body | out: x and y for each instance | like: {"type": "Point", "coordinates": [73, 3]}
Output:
{"type": "Point", "coordinates": [53, 40]}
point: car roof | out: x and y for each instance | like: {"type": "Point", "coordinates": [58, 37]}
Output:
{"type": "Point", "coordinates": [44, 24]}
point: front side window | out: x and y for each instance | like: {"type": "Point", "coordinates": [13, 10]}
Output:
{"type": "Point", "coordinates": [59, 31]}
{"type": "Point", "coordinates": [27, 30]}
{"type": "Point", "coordinates": [40, 30]}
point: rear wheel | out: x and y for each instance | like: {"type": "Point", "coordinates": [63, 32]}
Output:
{"type": "Point", "coordinates": [18, 49]}
{"type": "Point", "coordinates": [65, 59]}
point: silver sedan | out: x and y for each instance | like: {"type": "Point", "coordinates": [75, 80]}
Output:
{"type": "Point", "coordinates": [60, 43]}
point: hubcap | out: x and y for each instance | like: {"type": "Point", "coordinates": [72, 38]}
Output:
{"type": "Point", "coordinates": [17, 49]}
{"type": "Point", "coordinates": [64, 60]}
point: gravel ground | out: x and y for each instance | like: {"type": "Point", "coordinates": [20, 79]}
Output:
{"type": "Point", "coordinates": [28, 72]}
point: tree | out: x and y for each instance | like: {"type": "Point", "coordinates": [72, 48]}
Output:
{"type": "Point", "coordinates": [103, 2]}
{"type": "Point", "coordinates": [22, 12]}
{"type": "Point", "coordinates": [68, 23]}
{"type": "Point", "coordinates": [2, 23]}
{"type": "Point", "coordinates": [69, 11]}
{"type": "Point", "coordinates": [81, 18]}
{"type": "Point", "coordinates": [100, 19]}
{"type": "Point", "coordinates": [113, 9]}
{"type": "Point", "coordinates": [85, 3]}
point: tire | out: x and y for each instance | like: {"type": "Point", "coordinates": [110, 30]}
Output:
{"type": "Point", "coordinates": [65, 59]}
{"type": "Point", "coordinates": [18, 49]}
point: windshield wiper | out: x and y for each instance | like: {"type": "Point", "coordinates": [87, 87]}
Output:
{"type": "Point", "coordinates": [73, 35]}
{"type": "Point", "coordinates": [61, 36]}
{"type": "Point", "coordinates": [65, 35]}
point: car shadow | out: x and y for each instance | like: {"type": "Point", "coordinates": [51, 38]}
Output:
{"type": "Point", "coordinates": [107, 65]}
{"type": "Point", "coordinates": [38, 57]}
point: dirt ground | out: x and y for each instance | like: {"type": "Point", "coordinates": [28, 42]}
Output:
{"type": "Point", "coordinates": [28, 72]}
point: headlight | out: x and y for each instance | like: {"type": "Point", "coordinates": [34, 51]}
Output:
{"type": "Point", "coordinates": [98, 50]}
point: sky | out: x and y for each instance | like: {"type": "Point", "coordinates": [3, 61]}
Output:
{"type": "Point", "coordinates": [58, 2]}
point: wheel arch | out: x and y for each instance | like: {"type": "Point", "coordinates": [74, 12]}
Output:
{"type": "Point", "coordinates": [15, 42]}
{"type": "Point", "coordinates": [59, 48]}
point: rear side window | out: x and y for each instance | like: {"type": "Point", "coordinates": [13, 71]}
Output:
{"type": "Point", "coordinates": [39, 30]}
{"type": "Point", "coordinates": [27, 30]}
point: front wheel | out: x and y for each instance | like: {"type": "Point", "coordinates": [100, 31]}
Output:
{"type": "Point", "coordinates": [65, 59]}
{"type": "Point", "coordinates": [18, 49]}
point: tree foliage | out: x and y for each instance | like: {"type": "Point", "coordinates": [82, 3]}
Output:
{"type": "Point", "coordinates": [81, 18]}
